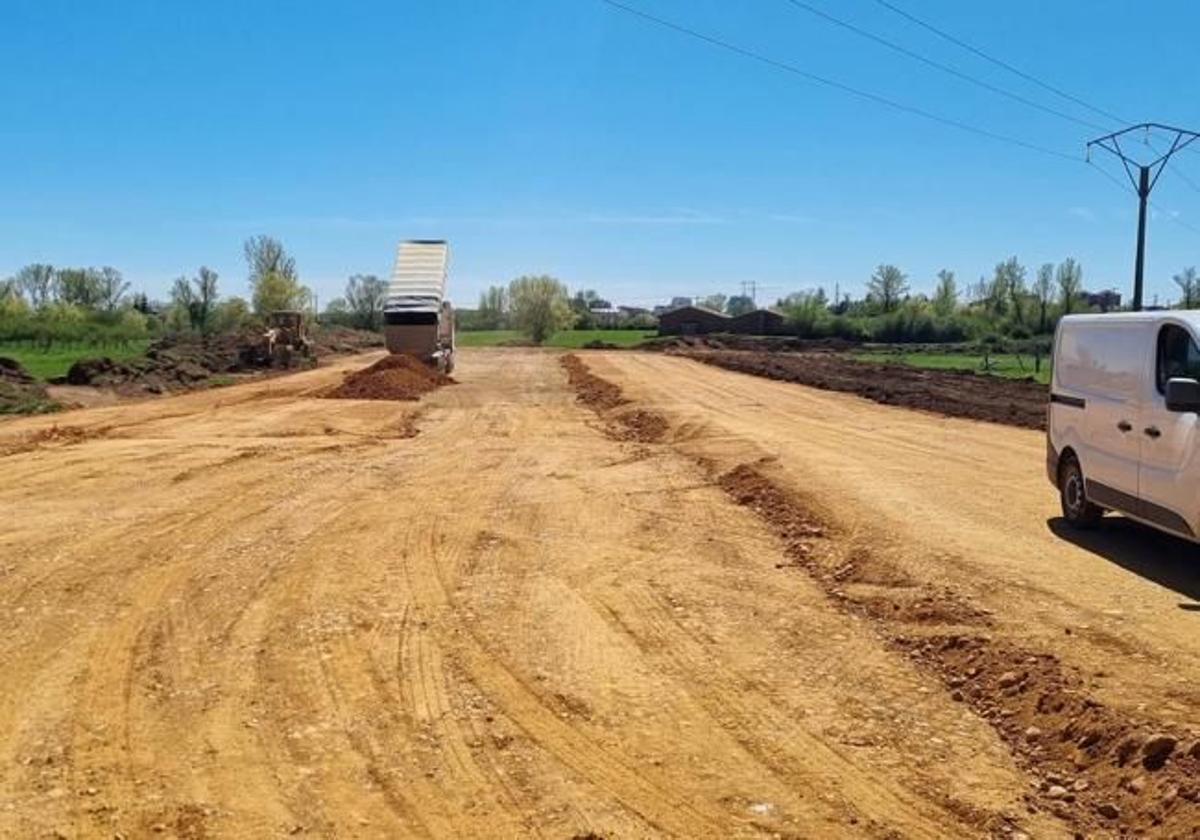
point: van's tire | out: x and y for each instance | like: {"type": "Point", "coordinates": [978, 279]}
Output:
{"type": "Point", "coordinates": [1076, 509]}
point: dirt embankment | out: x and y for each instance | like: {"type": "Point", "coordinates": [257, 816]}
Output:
{"type": "Point", "coordinates": [391, 378]}
{"type": "Point", "coordinates": [605, 398]}
{"type": "Point", "coordinates": [21, 393]}
{"type": "Point", "coordinates": [173, 364]}
{"type": "Point", "coordinates": [1012, 402]}
{"type": "Point", "coordinates": [1096, 768]}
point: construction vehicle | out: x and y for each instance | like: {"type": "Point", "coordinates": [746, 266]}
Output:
{"type": "Point", "coordinates": [417, 319]}
{"type": "Point", "coordinates": [286, 338]}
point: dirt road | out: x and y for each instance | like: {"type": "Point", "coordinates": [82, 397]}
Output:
{"type": "Point", "coordinates": [251, 612]}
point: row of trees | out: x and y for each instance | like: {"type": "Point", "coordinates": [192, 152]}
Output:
{"type": "Point", "coordinates": [538, 306]}
{"type": "Point", "coordinates": [47, 305]}
{"type": "Point", "coordinates": [1007, 303]}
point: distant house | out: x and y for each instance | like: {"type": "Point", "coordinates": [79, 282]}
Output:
{"type": "Point", "coordinates": [692, 320]}
{"type": "Point", "coordinates": [1105, 301]}
{"type": "Point", "coordinates": [758, 322]}
{"type": "Point", "coordinates": [606, 317]}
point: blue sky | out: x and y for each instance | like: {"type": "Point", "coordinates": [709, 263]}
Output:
{"type": "Point", "coordinates": [565, 137]}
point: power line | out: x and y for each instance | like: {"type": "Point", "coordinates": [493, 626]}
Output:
{"type": "Point", "coordinates": [836, 85]}
{"type": "Point", "coordinates": [909, 109]}
{"type": "Point", "coordinates": [998, 62]}
{"type": "Point", "coordinates": [1148, 175]}
{"type": "Point", "coordinates": [937, 65]}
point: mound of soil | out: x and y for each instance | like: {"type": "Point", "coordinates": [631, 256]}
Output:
{"type": "Point", "coordinates": [21, 393]}
{"type": "Point", "coordinates": [1013, 402]}
{"type": "Point", "coordinates": [179, 363]}
{"type": "Point", "coordinates": [333, 341]}
{"type": "Point", "coordinates": [391, 378]}
{"type": "Point", "coordinates": [594, 392]}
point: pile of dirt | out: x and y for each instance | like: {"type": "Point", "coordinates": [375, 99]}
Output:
{"type": "Point", "coordinates": [1098, 769]}
{"type": "Point", "coordinates": [594, 392]}
{"type": "Point", "coordinates": [1013, 402]}
{"type": "Point", "coordinates": [338, 341]}
{"type": "Point", "coordinates": [391, 378]}
{"type": "Point", "coordinates": [20, 392]}
{"type": "Point", "coordinates": [171, 364]}
{"type": "Point", "coordinates": [180, 363]}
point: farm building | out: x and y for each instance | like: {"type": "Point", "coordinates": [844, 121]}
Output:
{"type": "Point", "coordinates": [692, 320]}
{"type": "Point", "coordinates": [699, 320]}
{"type": "Point", "coordinates": [758, 322]}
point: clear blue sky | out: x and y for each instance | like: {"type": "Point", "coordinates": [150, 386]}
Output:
{"type": "Point", "coordinates": [562, 136]}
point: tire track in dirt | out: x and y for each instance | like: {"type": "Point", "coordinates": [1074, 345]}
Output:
{"type": "Point", "coordinates": [1084, 757]}
{"type": "Point", "coordinates": [524, 705]}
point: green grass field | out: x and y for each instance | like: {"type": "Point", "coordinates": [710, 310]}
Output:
{"type": "Point", "coordinates": [568, 338]}
{"type": "Point", "coordinates": [46, 364]}
{"type": "Point", "coordinates": [1003, 364]}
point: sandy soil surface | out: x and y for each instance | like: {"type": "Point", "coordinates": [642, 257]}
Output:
{"type": "Point", "coordinates": [499, 612]}
{"type": "Point", "coordinates": [955, 393]}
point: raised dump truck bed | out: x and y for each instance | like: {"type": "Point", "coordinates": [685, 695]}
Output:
{"type": "Point", "coordinates": [417, 319]}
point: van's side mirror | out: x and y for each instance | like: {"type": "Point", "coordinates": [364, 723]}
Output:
{"type": "Point", "coordinates": [1183, 395]}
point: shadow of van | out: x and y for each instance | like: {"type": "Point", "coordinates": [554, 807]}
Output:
{"type": "Point", "coordinates": [1148, 553]}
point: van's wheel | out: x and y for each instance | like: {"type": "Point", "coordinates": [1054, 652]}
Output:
{"type": "Point", "coordinates": [1076, 509]}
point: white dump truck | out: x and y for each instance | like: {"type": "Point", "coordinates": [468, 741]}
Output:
{"type": "Point", "coordinates": [417, 319]}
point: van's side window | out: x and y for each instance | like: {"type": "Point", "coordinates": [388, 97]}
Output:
{"type": "Point", "coordinates": [1178, 356]}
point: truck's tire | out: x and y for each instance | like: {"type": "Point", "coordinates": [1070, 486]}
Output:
{"type": "Point", "coordinates": [1076, 509]}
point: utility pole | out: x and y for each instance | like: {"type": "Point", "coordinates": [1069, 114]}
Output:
{"type": "Point", "coordinates": [1148, 174]}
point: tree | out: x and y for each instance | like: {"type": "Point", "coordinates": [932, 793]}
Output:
{"type": "Point", "coordinates": [141, 303]}
{"type": "Point", "coordinates": [112, 288]}
{"type": "Point", "coordinates": [540, 306]}
{"type": "Point", "coordinates": [337, 311]}
{"type": "Point", "coordinates": [230, 315]}
{"type": "Point", "coordinates": [183, 302]}
{"type": "Point", "coordinates": [1043, 289]}
{"type": "Point", "coordinates": [739, 305]}
{"type": "Point", "coordinates": [1070, 284]}
{"type": "Point", "coordinates": [78, 287]}
{"type": "Point", "coordinates": [277, 291]}
{"type": "Point", "coordinates": [887, 286]}
{"type": "Point", "coordinates": [493, 308]}
{"type": "Point", "coordinates": [1009, 283]}
{"type": "Point", "coordinates": [1189, 286]}
{"type": "Point", "coordinates": [273, 281]}
{"type": "Point", "coordinates": [266, 255]}
{"type": "Point", "coordinates": [365, 295]}
{"type": "Point", "coordinates": [945, 297]}
{"type": "Point", "coordinates": [714, 302]}
{"type": "Point", "coordinates": [36, 283]}
{"type": "Point", "coordinates": [805, 311]}
{"type": "Point", "coordinates": [204, 300]}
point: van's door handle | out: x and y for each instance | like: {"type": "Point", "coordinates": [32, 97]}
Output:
{"type": "Point", "coordinates": [1152, 431]}
{"type": "Point", "coordinates": [1125, 426]}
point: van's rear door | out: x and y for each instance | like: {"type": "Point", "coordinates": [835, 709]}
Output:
{"type": "Point", "coordinates": [1101, 368]}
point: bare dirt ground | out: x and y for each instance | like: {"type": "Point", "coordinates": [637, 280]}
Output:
{"type": "Point", "coordinates": [1014, 402]}
{"type": "Point", "coordinates": [708, 605]}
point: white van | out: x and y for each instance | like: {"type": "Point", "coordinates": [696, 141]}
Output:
{"type": "Point", "coordinates": [1122, 425]}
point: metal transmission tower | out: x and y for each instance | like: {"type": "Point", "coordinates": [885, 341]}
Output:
{"type": "Point", "coordinates": [1148, 174]}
